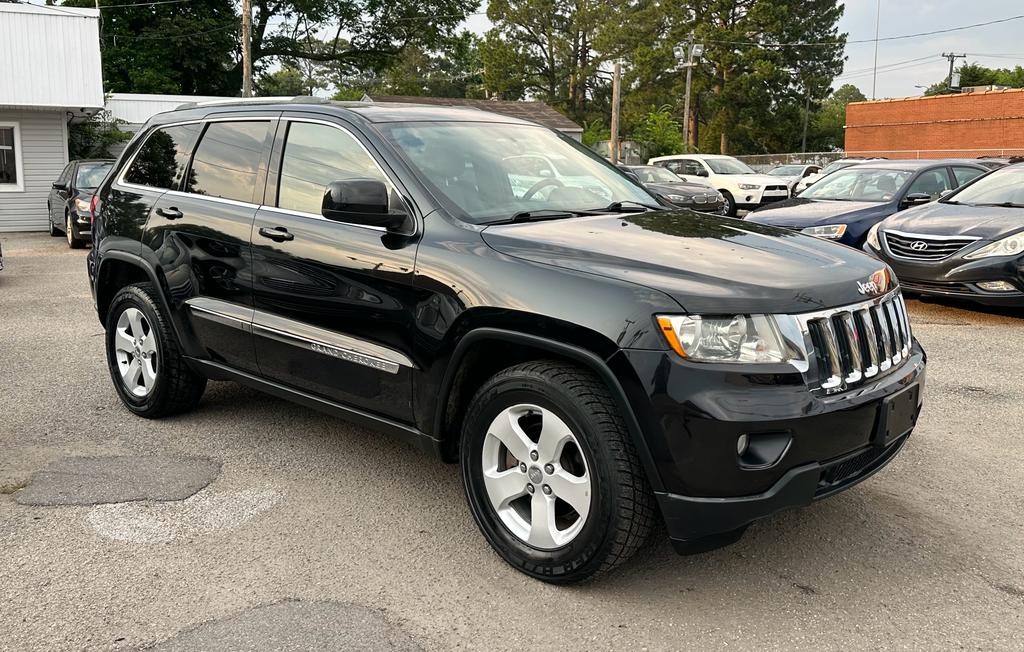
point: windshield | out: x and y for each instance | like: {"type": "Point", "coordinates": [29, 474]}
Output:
{"type": "Point", "coordinates": [728, 166]}
{"type": "Point", "coordinates": [1004, 186]}
{"type": "Point", "coordinates": [654, 174]}
{"type": "Point", "coordinates": [496, 171]}
{"type": "Point", "coordinates": [787, 171]}
{"type": "Point", "coordinates": [859, 184]}
{"type": "Point", "coordinates": [91, 174]}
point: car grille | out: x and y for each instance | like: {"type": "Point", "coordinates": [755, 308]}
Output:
{"type": "Point", "coordinates": [857, 343]}
{"type": "Point", "coordinates": [914, 246]}
{"type": "Point", "coordinates": [914, 285]}
{"type": "Point", "coordinates": [784, 189]}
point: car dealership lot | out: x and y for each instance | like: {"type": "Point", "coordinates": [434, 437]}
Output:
{"type": "Point", "coordinates": [315, 532]}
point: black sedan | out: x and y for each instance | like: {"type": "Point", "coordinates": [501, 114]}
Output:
{"type": "Point", "coordinates": [68, 204]}
{"type": "Point", "coordinates": [676, 190]}
{"type": "Point", "coordinates": [845, 205]}
{"type": "Point", "coordinates": [968, 245]}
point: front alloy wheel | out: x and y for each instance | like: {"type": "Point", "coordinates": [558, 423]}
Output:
{"type": "Point", "coordinates": [536, 476]}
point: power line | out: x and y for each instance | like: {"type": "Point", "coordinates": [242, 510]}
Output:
{"type": "Point", "coordinates": [143, 4]}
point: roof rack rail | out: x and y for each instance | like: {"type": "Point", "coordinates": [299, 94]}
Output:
{"type": "Point", "coordinates": [289, 99]}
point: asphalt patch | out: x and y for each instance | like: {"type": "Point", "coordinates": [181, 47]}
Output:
{"type": "Point", "coordinates": [99, 480]}
{"type": "Point", "coordinates": [294, 625]}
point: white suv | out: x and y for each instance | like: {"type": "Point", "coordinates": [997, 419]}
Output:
{"type": "Point", "coordinates": [741, 186]}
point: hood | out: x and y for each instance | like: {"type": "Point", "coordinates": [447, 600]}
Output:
{"type": "Point", "coordinates": [798, 212]}
{"type": "Point", "coordinates": [707, 263]}
{"type": "Point", "coordinates": [985, 222]}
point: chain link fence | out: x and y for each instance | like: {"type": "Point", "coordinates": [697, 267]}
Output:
{"type": "Point", "coordinates": [765, 162]}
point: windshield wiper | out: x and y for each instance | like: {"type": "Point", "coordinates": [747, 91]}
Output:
{"type": "Point", "coordinates": [541, 214]}
{"type": "Point", "coordinates": [1003, 204]}
{"type": "Point", "coordinates": [637, 207]}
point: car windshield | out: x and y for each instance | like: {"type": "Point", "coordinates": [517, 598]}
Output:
{"type": "Point", "coordinates": [859, 184]}
{"type": "Point", "coordinates": [498, 171]}
{"type": "Point", "coordinates": [728, 166]}
{"type": "Point", "coordinates": [1005, 186]}
{"type": "Point", "coordinates": [786, 171]}
{"type": "Point", "coordinates": [91, 174]}
{"type": "Point", "coordinates": [654, 174]}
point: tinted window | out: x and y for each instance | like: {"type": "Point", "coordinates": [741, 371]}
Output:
{"type": "Point", "coordinates": [227, 160]}
{"type": "Point", "coordinates": [162, 159]}
{"type": "Point", "coordinates": [314, 156]}
{"type": "Point", "coordinates": [963, 175]}
{"type": "Point", "coordinates": [8, 156]}
{"type": "Point", "coordinates": [931, 183]}
{"type": "Point", "coordinates": [1002, 186]}
{"type": "Point", "coordinates": [65, 175]}
{"type": "Point", "coordinates": [91, 174]}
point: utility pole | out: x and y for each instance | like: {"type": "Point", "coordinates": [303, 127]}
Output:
{"type": "Point", "coordinates": [807, 113]}
{"type": "Point", "coordinates": [952, 57]}
{"type": "Point", "coordinates": [874, 68]}
{"type": "Point", "coordinates": [616, 82]}
{"type": "Point", "coordinates": [246, 48]}
{"type": "Point", "coordinates": [685, 56]}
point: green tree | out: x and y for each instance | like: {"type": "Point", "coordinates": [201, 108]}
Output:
{"type": "Point", "coordinates": [96, 137]}
{"type": "Point", "coordinates": [285, 81]}
{"type": "Point", "coordinates": [659, 132]}
{"type": "Point", "coordinates": [827, 126]}
{"type": "Point", "coordinates": [185, 48]}
{"type": "Point", "coordinates": [973, 74]}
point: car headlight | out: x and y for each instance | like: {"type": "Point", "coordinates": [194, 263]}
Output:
{"type": "Point", "coordinates": [828, 231]}
{"type": "Point", "coordinates": [872, 239]}
{"type": "Point", "coordinates": [684, 199]}
{"type": "Point", "coordinates": [82, 206]}
{"type": "Point", "coordinates": [748, 186]}
{"type": "Point", "coordinates": [734, 338]}
{"type": "Point", "coordinates": [1009, 246]}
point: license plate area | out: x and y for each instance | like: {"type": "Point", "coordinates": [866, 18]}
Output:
{"type": "Point", "coordinates": [897, 415]}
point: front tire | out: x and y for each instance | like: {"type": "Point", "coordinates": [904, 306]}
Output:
{"type": "Point", "coordinates": [729, 208]}
{"type": "Point", "coordinates": [74, 242]}
{"type": "Point", "coordinates": [145, 363]}
{"type": "Point", "coordinates": [551, 475]}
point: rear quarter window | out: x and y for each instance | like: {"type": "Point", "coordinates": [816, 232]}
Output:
{"type": "Point", "coordinates": [227, 160]}
{"type": "Point", "coordinates": [162, 159]}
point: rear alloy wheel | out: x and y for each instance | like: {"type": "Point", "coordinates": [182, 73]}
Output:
{"type": "Point", "coordinates": [73, 241]}
{"type": "Point", "coordinates": [54, 231]}
{"type": "Point", "coordinates": [135, 346]}
{"type": "Point", "coordinates": [551, 475]}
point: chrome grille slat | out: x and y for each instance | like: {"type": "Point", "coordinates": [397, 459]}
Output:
{"type": "Point", "coordinates": [849, 345]}
{"type": "Point", "coordinates": [901, 245]}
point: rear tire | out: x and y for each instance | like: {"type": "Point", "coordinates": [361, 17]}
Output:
{"type": "Point", "coordinates": [145, 363]}
{"type": "Point", "coordinates": [590, 481]}
{"type": "Point", "coordinates": [74, 242]}
{"type": "Point", "coordinates": [54, 231]}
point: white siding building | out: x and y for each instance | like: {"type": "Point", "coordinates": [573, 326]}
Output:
{"type": "Point", "coordinates": [51, 73]}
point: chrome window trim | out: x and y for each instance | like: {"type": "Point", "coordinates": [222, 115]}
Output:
{"type": "Point", "coordinates": [925, 236]}
{"type": "Point", "coordinates": [289, 211]}
{"type": "Point", "coordinates": [120, 182]}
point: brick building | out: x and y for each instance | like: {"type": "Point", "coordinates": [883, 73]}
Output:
{"type": "Point", "coordinates": [944, 126]}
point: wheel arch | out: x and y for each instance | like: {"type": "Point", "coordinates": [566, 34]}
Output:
{"type": "Point", "coordinates": [473, 361]}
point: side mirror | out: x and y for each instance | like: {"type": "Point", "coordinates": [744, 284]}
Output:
{"type": "Point", "coordinates": [702, 172]}
{"type": "Point", "coordinates": [360, 201]}
{"type": "Point", "coordinates": [57, 185]}
{"type": "Point", "coordinates": [915, 198]}
{"type": "Point", "coordinates": [945, 193]}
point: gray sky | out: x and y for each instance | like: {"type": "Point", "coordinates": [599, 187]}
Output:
{"type": "Point", "coordinates": [906, 63]}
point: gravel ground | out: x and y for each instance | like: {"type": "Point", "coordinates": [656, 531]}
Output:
{"type": "Point", "coordinates": [315, 534]}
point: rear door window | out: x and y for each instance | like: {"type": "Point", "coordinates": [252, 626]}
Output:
{"type": "Point", "coordinates": [162, 159]}
{"type": "Point", "coordinates": [227, 160]}
{"type": "Point", "coordinates": [931, 183]}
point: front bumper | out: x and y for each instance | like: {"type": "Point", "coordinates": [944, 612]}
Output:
{"type": "Point", "coordinates": [957, 278]}
{"type": "Point", "coordinates": [697, 414]}
{"type": "Point", "coordinates": [81, 225]}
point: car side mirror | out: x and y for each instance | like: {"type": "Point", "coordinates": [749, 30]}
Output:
{"type": "Point", "coordinates": [702, 173]}
{"type": "Point", "coordinates": [361, 201]}
{"type": "Point", "coordinates": [57, 185]}
{"type": "Point", "coordinates": [945, 193]}
{"type": "Point", "coordinates": [915, 198]}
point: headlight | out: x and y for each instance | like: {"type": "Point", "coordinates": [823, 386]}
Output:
{"type": "Point", "coordinates": [829, 231]}
{"type": "Point", "coordinates": [748, 186]}
{"type": "Point", "coordinates": [82, 206]}
{"type": "Point", "coordinates": [1009, 246]}
{"type": "Point", "coordinates": [684, 199]}
{"type": "Point", "coordinates": [873, 237]}
{"type": "Point", "coordinates": [736, 338]}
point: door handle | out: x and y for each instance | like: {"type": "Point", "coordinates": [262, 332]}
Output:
{"type": "Point", "coordinates": [277, 234]}
{"type": "Point", "coordinates": [171, 213]}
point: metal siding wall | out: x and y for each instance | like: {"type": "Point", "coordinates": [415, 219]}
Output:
{"type": "Point", "coordinates": [43, 156]}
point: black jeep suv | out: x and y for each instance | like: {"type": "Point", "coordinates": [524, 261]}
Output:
{"type": "Point", "coordinates": [588, 356]}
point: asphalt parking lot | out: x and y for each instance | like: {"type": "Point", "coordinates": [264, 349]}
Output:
{"type": "Point", "coordinates": [307, 532]}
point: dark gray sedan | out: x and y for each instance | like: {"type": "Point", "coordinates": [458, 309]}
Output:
{"type": "Point", "coordinates": [675, 189]}
{"type": "Point", "coordinates": [68, 204]}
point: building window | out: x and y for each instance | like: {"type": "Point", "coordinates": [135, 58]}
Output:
{"type": "Point", "coordinates": [10, 158]}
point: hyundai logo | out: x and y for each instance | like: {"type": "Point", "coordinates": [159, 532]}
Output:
{"type": "Point", "coordinates": [919, 245]}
